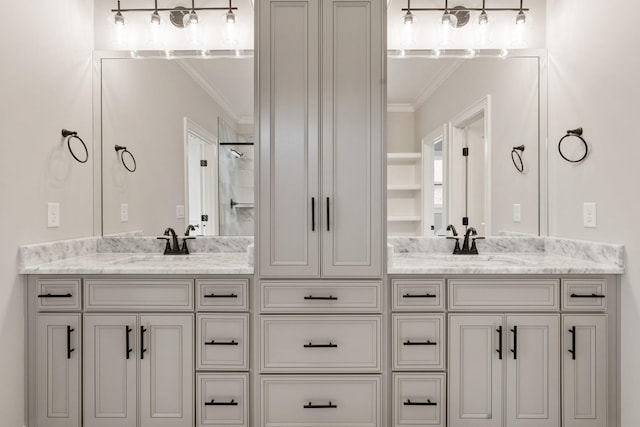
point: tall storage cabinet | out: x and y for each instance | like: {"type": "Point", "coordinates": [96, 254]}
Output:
{"type": "Point", "coordinates": [321, 115]}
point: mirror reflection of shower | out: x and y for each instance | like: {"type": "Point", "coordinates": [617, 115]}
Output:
{"type": "Point", "coordinates": [236, 184]}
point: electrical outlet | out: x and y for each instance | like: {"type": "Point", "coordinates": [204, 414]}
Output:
{"type": "Point", "coordinates": [179, 211]}
{"type": "Point", "coordinates": [516, 212]}
{"type": "Point", "coordinates": [589, 215]}
{"type": "Point", "coordinates": [124, 212]}
{"type": "Point", "coordinates": [53, 215]}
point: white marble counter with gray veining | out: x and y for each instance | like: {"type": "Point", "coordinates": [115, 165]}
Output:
{"type": "Point", "coordinates": [505, 255]}
{"type": "Point", "coordinates": [215, 256]}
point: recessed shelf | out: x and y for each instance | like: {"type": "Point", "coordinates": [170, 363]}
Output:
{"type": "Point", "coordinates": [404, 187]}
{"type": "Point", "coordinates": [404, 219]}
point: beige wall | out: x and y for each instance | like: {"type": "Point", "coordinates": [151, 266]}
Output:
{"type": "Point", "coordinates": [401, 135]}
{"type": "Point", "coordinates": [45, 86]}
{"type": "Point", "coordinates": [593, 83]}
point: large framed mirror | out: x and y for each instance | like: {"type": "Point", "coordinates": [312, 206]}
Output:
{"type": "Point", "coordinates": [459, 129]}
{"type": "Point", "coordinates": [188, 122]}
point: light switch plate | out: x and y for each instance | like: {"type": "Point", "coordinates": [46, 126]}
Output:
{"type": "Point", "coordinates": [53, 215]}
{"type": "Point", "coordinates": [516, 212]}
{"type": "Point", "coordinates": [124, 212]}
{"type": "Point", "coordinates": [179, 211]}
{"type": "Point", "coordinates": [589, 215]}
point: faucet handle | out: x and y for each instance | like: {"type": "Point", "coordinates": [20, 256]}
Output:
{"type": "Point", "coordinates": [167, 247]}
{"type": "Point", "coordinates": [185, 249]}
{"type": "Point", "coordinates": [474, 248]}
{"type": "Point", "coordinates": [456, 248]}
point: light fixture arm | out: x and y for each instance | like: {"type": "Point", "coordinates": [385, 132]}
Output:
{"type": "Point", "coordinates": [468, 9]}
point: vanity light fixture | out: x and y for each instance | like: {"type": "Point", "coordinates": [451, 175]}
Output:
{"type": "Point", "coordinates": [118, 18]}
{"type": "Point", "coordinates": [155, 16]}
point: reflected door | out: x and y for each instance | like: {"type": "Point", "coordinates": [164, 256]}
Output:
{"type": "Point", "coordinates": [202, 177]}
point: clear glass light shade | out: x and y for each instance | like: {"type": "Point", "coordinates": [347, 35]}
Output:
{"type": "Point", "coordinates": [119, 30]}
{"type": "Point", "coordinates": [118, 19]}
{"type": "Point", "coordinates": [408, 31]}
{"type": "Point", "coordinates": [230, 17]}
{"type": "Point", "coordinates": [408, 17]}
{"type": "Point", "coordinates": [446, 29]}
{"type": "Point", "coordinates": [521, 18]}
{"type": "Point", "coordinates": [155, 18]}
{"type": "Point", "coordinates": [156, 30]}
{"type": "Point", "coordinates": [193, 28]}
{"type": "Point", "coordinates": [483, 19]}
{"type": "Point", "coordinates": [483, 30]}
{"type": "Point", "coordinates": [520, 30]}
{"type": "Point", "coordinates": [230, 29]}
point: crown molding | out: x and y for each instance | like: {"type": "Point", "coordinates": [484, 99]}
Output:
{"type": "Point", "coordinates": [400, 108]}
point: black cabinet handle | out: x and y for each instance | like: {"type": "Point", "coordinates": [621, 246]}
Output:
{"type": "Point", "coordinates": [515, 342]}
{"type": "Point", "coordinates": [69, 349]}
{"type": "Point", "coordinates": [329, 298]}
{"type": "Point", "coordinates": [55, 296]}
{"type": "Point", "coordinates": [427, 403]}
{"type": "Point", "coordinates": [328, 220]}
{"type": "Point", "coordinates": [312, 406]}
{"type": "Point", "coordinates": [330, 345]}
{"type": "Point", "coordinates": [212, 402]}
{"type": "Point", "coordinates": [128, 340]}
{"type": "Point", "coordinates": [427, 295]}
{"type": "Point", "coordinates": [313, 214]}
{"type": "Point", "coordinates": [499, 350]}
{"type": "Point", "coordinates": [221, 296]}
{"type": "Point", "coordinates": [572, 331]}
{"type": "Point", "coordinates": [142, 349]}
{"type": "Point", "coordinates": [214, 342]}
{"type": "Point", "coordinates": [587, 296]}
{"type": "Point", "coordinates": [428, 342]}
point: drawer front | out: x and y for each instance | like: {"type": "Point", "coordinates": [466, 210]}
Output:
{"type": "Point", "coordinates": [222, 400]}
{"type": "Point", "coordinates": [320, 343]}
{"type": "Point", "coordinates": [326, 401]}
{"type": "Point", "coordinates": [58, 295]}
{"type": "Point", "coordinates": [223, 341]}
{"type": "Point", "coordinates": [418, 342]}
{"type": "Point", "coordinates": [138, 295]}
{"type": "Point", "coordinates": [504, 294]}
{"type": "Point", "coordinates": [419, 400]}
{"type": "Point", "coordinates": [414, 295]}
{"type": "Point", "coordinates": [315, 297]}
{"type": "Point", "coordinates": [222, 295]}
{"type": "Point", "coordinates": [584, 294]}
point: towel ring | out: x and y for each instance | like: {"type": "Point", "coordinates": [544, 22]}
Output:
{"type": "Point", "coordinates": [516, 153]}
{"type": "Point", "coordinates": [69, 135]}
{"type": "Point", "coordinates": [578, 134]}
{"type": "Point", "coordinates": [122, 151]}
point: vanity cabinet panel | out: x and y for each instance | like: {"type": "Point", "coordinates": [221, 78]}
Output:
{"type": "Point", "coordinates": [222, 400]}
{"type": "Point", "coordinates": [585, 364]}
{"type": "Point", "coordinates": [58, 364]}
{"type": "Point", "coordinates": [533, 371]}
{"type": "Point", "coordinates": [584, 295]}
{"type": "Point", "coordinates": [222, 341]}
{"type": "Point", "coordinates": [503, 295]}
{"type": "Point", "coordinates": [166, 370]}
{"type": "Point", "coordinates": [138, 295]}
{"type": "Point", "coordinates": [352, 137]}
{"type": "Point", "coordinates": [417, 295]}
{"type": "Point", "coordinates": [58, 295]}
{"type": "Point", "coordinates": [476, 370]}
{"type": "Point", "coordinates": [419, 400]}
{"type": "Point", "coordinates": [222, 295]}
{"type": "Point", "coordinates": [418, 342]}
{"type": "Point", "coordinates": [289, 215]}
{"type": "Point", "coordinates": [110, 370]}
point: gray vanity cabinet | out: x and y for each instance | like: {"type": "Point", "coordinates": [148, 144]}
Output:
{"type": "Point", "coordinates": [58, 370]}
{"type": "Point", "coordinates": [320, 197]}
{"type": "Point", "coordinates": [138, 366]}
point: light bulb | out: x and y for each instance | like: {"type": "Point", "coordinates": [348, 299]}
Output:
{"type": "Point", "coordinates": [118, 19]}
{"type": "Point", "coordinates": [521, 18]}
{"type": "Point", "coordinates": [407, 31]}
{"type": "Point", "coordinates": [447, 25]}
{"type": "Point", "coordinates": [449, 19]}
{"type": "Point", "coordinates": [230, 17]}
{"type": "Point", "coordinates": [483, 30]}
{"type": "Point", "coordinates": [408, 18]}
{"type": "Point", "coordinates": [230, 29]}
{"type": "Point", "coordinates": [483, 19]}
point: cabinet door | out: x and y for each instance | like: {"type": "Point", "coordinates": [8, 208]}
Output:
{"type": "Point", "coordinates": [166, 370]}
{"type": "Point", "coordinates": [585, 367]}
{"type": "Point", "coordinates": [110, 370]}
{"type": "Point", "coordinates": [533, 371]}
{"type": "Point", "coordinates": [352, 137]}
{"type": "Point", "coordinates": [476, 370]}
{"type": "Point", "coordinates": [289, 231]}
{"type": "Point", "coordinates": [58, 356]}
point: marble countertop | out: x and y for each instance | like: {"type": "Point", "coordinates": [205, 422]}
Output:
{"type": "Point", "coordinates": [496, 263]}
{"type": "Point", "coordinates": [146, 263]}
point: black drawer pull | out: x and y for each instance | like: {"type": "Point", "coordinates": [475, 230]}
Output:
{"type": "Point", "coordinates": [313, 214]}
{"type": "Point", "coordinates": [330, 345]}
{"type": "Point", "coordinates": [428, 342]}
{"type": "Point", "coordinates": [572, 331]}
{"type": "Point", "coordinates": [142, 349]}
{"type": "Point", "coordinates": [427, 403]}
{"type": "Point", "coordinates": [212, 402]}
{"type": "Point", "coordinates": [427, 295]}
{"type": "Point", "coordinates": [329, 298]}
{"type": "Point", "coordinates": [127, 340]}
{"type": "Point", "coordinates": [587, 296]}
{"type": "Point", "coordinates": [499, 350]}
{"type": "Point", "coordinates": [214, 342]}
{"type": "Point", "coordinates": [55, 296]}
{"type": "Point", "coordinates": [221, 296]}
{"type": "Point", "coordinates": [312, 406]}
{"type": "Point", "coordinates": [69, 349]}
{"type": "Point", "coordinates": [515, 342]}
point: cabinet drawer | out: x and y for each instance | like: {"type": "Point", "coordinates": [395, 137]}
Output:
{"type": "Point", "coordinates": [138, 295]}
{"type": "Point", "coordinates": [314, 297]}
{"type": "Point", "coordinates": [320, 343]}
{"type": "Point", "coordinates": [58, 295]}
{"type": "Point", "coordinates": [340, 401]}
{"type": "Point", "coordinates": [222, 400]}
{"type": "Point", "coordinates": [223, 341]}
{"type": "Point", "coordinates": [503, 294]}
{"type": "Point", "coordinates": [413, 295]}
{"type": "Point", "coordinates": [584, 294]}
{"type": "Point", "coordinates": [419, 400]}
{"type": "Point", "coordinates": [418, 342]}
{"type": "Point", "coordinates": [222, 295]}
